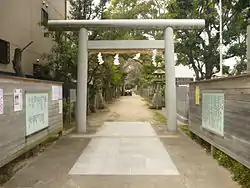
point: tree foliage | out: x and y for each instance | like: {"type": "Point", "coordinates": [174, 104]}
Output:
{"type": "Point", "coordinates": [63, 60]}
{"type": "Point", "coordinates": [200, 49]}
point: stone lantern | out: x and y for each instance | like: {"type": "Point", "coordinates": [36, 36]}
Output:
{"type": "Point", "coordinates": [158, 80]}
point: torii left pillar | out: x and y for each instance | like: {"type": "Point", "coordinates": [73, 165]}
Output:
{"type": "Point", "coordinates": [82, 80]}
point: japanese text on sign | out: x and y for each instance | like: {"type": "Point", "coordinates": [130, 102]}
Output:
{"type": "Point", "coordinates": [36, 112]}
{"type": "Point", "coordinates": [213, 112]}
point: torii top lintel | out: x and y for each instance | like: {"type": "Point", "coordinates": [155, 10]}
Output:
{"type": "Point", "coordinates": [68, 25]}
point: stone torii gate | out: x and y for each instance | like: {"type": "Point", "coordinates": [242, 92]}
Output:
{"type": "Point", "coordinates": [168, 44]}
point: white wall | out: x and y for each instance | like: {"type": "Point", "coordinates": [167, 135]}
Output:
{"type": "Point", "coordinates": [183, 72]}
{"type": "Point", "coordinates": [19, 20]}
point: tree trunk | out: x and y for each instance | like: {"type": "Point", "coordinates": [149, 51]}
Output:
{"type": "Point", "coordinates": [92, 104]}
{"type": "Point", "coordinates": [209, 69]}
{"type": "Point", "coordinates": [107, 94]}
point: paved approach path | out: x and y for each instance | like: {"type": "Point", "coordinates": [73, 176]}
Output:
{"type": "Point", "coordinates": [125, 152]}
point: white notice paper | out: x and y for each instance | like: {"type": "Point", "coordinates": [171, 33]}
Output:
{"type": "Point", "coordinates": [1, 101]}
{"type": "Point", "coordinates": [60, 94]}
{"type": "Point", "coordinates": [60, 102]}
{"type": "Point", "coordinates": [54, 93]}
{"type": "Point", "coordinates": [57, 93]}
{"type": "Point", "coordinates": [18, 100]}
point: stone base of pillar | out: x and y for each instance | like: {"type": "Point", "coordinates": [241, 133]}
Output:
{"type": "Point", "coordinates": [100, 102]}
{"type": "Point", "coordinates": [88, 110]}
{"type": "Point", "coordinates": [156, 101]}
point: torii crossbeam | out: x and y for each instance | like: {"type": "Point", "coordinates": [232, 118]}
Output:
{"type": "Point", "coordinates": [82, 73]}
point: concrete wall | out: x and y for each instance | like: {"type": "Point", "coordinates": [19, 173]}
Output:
{"type": "Point", "coordinates": [13, 138]}
{"type": "Point", "coordinates": [236, 122]}
{"type": "Point", "coordinates": [19, 20]}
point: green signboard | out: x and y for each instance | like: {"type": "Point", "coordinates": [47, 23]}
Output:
{"type": "Point", "coordinates": [213, 112]}
{"type": "Point", "coordinates": [36, 112]}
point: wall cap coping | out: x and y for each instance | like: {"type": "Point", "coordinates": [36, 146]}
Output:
{"type": "Point", "coordinates": [29, 80]}
{"type": "Point", "coordinates": [247, 75]}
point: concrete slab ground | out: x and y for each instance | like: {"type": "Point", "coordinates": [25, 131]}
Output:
{"type": "Point", "coordinates": [128, 152]}
{"type": "Point", "coordinates": [51, 168]}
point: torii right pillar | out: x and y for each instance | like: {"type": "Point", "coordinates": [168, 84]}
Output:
{"type": "Point", "coordinates": [170, 91]}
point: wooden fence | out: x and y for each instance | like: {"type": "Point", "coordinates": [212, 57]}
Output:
{"type": "Point", "coordinates": [220, 114]}
{"type": "Point", "coordinates": [30, 110]}
{"type": "Point", "coordinates": [182, 101]}
{"type": "Point", "coordinates": [146, 92]}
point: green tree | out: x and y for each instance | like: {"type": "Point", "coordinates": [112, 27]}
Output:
{"type": "Point", "coordinates": [63, 57]}
{"type": "Point", "coordinates": [99, 75]}
{"type": "Point", "coordinates": [200, 49]}
{"type": "Point", "coordinates": [63, 60]}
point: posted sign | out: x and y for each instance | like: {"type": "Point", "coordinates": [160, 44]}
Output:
{"type": "Point", "coordinates": [36, 112]}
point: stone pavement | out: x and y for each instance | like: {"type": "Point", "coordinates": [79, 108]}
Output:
{"type": "Point", "coordinates": [129, 150]}
{"type": "Point", "coordinates": [126, 148]}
